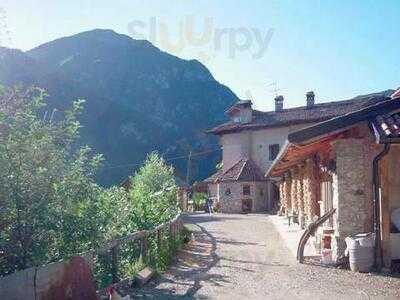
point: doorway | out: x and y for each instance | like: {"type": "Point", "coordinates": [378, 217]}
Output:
{"type": "Point", "coordinates": [247, 205]}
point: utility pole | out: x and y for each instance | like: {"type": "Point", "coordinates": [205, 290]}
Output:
{"type": "Point", "coordinates": [188, 168]}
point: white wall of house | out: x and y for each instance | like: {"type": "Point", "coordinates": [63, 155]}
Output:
{"type": "Point", "coordinates": [235, 146]}
{"type": "Point", "coordinates": [254, 144]}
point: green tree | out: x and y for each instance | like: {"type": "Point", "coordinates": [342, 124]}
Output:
{"type": "Point", "coordinates": [50, 205]}
{"type": "Point", "coordinates": [153, 196]}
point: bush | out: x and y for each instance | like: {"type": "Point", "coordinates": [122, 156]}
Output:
{"type": "Point", "coordinates": [154, 193]}
{"type": "Point", "coordinates": [199, 200]}
{"type": "Point", "coordinates": [50, 205]}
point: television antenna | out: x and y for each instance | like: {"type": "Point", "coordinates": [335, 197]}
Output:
{"type": "Point", "coordinates": [274, 88]}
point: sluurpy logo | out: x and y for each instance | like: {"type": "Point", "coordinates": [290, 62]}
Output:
{"type": "Point", "coordinates": [207, 39]}
{"type": "Point", "coordinates": [5, 36]}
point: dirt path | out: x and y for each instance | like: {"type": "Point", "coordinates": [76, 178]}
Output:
{"type": "Point", "coordinates": [243, 257]}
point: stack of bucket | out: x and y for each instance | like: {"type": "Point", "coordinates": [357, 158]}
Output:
{"type": "Point", "coordinates": [360, 248]}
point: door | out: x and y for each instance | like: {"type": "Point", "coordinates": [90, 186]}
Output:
{"type": "Point", "coordinates": [247, 205]}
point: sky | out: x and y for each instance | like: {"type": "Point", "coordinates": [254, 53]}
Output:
{"type": "Point", "coordinates": [258, 48]}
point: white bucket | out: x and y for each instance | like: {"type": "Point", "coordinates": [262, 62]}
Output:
{"type": "Point", "coordinates": [361, 251]}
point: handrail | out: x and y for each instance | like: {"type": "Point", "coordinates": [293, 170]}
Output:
{"type": "Point", "coordinates": [137, 235]}
{"type": "Point", "coordinates": [312, 228]}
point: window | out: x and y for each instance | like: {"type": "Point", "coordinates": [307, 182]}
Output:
{"type": "Point", "coordinates": [273, 151]}
{"type": "Point", "coordinates": [261, 192]}
{"type": "Point", "coordinates": [246, 190]}
{"type": "Point", "coordinates": [228, 191]}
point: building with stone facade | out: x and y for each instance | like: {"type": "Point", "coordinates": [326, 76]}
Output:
{"type": "Point", "coordinates": [348, 164]}
{"type": "Point", "coordinates": [252, 139]}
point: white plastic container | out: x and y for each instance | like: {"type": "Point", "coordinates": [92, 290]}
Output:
{"type": "Point", "coordinates": [395, 218]}
{"type": "Point", "coordinates": [326, 256]}
{"type": "Point", "coordinates": [361, 251]}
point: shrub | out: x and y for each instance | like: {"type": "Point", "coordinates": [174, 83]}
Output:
{"type": "Point", "coordinates": [199, 200]}
{"type": "Point", "coordinates": [153, 196]}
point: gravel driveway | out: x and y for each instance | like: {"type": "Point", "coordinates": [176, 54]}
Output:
{"type": "Point", "coordinates": [243, 257]}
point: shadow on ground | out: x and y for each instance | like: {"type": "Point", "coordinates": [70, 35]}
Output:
{"type": "Point", "coordinates": [185, 276]}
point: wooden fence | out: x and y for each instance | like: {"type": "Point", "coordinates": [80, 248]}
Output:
{"type": "Point", "coordinates": [123, 257]}
{"type": "Point", "coordinates": [118, 259]}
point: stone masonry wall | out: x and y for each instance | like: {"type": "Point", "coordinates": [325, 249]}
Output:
{"type": "Point", "coordinates": [287, 190]}
{"type": "Point", "coordinates": [349, 191]}
{"type": "Point", "coordinates": [232, 203]}
{"type": "Point", "coordinates": [293, 190]}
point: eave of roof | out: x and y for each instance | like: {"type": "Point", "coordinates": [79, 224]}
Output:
{"type": "Point", "coordinates": [302, 115]}
{"type": "Point", "coordinates": [308, 140]}
{"type": "Point", "coordinates": [387, 128]}
{"type": "Point", "coordinates": [251, 126]}
{"type": "Point", "coordinates": [343, 121]}
{"type": "Point", "coordinates": [244, 170]}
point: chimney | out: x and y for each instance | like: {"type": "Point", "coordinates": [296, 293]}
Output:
{"type": "Point", "coordinates": [279, 103]}
{"type": "Point", "coordinates": [310, 99]}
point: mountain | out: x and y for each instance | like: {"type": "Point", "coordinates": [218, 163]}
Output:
{"type": "Point", "coordinates": [138, 98]}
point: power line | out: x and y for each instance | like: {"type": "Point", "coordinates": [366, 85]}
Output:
{"type": "Point", "coordinates": [188, 167]}
{"type": "Point", "coordinates": [167, 159]}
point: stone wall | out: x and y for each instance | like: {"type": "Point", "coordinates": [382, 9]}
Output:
{"type": "Point", "coordinates": [65, 280]}
{"type": "Point", "coordinates": [351, 191]}
{"type": "Point", "coordinates": [213, 190]}
{"type": "Point", "coordinates": [232, 202]}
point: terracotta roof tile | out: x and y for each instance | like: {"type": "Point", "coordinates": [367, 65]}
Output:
{"type": "Point", "coordinates": [387, 126]}
{"type": "Point", "coordinates": [242, 170]}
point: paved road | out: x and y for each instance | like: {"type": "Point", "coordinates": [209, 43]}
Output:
{"type": "Point", "coordinates": [243, 257]}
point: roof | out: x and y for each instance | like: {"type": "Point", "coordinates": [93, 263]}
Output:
{"type": "Point", "coordinates": [396, 94]}
{"type": "Point", "coordinates": [213, 177]}
{"type": "Point", "coordinates": [304, 114]}
{"type": "Point", "coordinates": [351, 118]}
{"type": "Point", "coordinates": [384, 118]}
{"type": "Point", "coordinates": [237, 105]}
{"type": "Point", "coordinates": [387, 128]}
{"type": "Point", "coordinates": [242, 170]}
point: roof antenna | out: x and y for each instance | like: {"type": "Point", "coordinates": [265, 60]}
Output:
{"type": "Point", "coordinates": [248, 95]}
{"type": "Point", "coordinates": [274, 88]}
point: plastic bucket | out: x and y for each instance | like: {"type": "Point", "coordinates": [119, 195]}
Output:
{"type": "Point", "coordinates": [361, 252]}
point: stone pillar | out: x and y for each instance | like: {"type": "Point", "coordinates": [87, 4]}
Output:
{"type": "Point", "coordinates": [349, 191]}
{"type": "Point", "coordinates": [300, 196]}
{"type": "Point", "coordinates": [282, 198]}
{"type": "Point", "coordinates": [307, 192]}
{"type": "Point", "coordinates": [316, 190]}
{"type": "Point", "coordinates": [311, 190]}
{"type": "Point", "coordinates": [287, 187]}
{"type": "Point", "coordinates": [293, 192]}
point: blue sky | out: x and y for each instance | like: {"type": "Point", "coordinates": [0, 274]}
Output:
{"type": "Point", "coordinates": [339, 49]}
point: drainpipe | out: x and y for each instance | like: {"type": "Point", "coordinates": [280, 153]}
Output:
{"type": "Point", "coordinates": [377, 197]}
